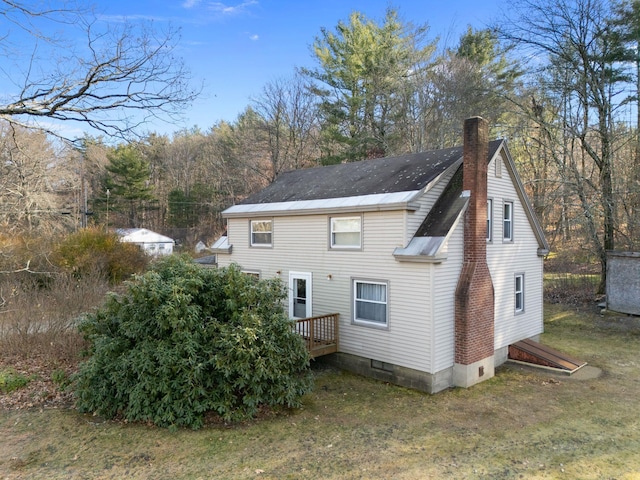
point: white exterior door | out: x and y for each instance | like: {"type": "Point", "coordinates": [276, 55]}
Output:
{"type": "Point", "coordinates": [299, 294]}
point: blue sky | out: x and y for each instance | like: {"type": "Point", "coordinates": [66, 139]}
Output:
{"type": "Point", "coordinates": [234, 47]}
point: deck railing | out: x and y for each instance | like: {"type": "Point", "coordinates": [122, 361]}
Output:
{"type": "Point", "coordinates": [320, 333]}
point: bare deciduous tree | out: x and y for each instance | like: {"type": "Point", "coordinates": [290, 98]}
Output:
{"type": "Point", "coordinates": [114, 81]}
{"type": "Point", "coordinates": [290, 124]}
{"type": "Point", "coordinates": [569, 40]}
{"type": "Point", "coordinates": [35, 182]}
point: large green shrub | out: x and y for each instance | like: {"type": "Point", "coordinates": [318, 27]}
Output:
{"type": "Point", "coordinates": [184, 340]}
{"type": "Point", "coordinates": [93, 250]}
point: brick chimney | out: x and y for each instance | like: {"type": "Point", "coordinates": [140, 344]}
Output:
{"type": "Point", "coordinates": [474, 300]}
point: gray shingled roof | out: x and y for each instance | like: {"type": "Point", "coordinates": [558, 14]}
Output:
{"type": "Point", "coordinates": [382, 175]}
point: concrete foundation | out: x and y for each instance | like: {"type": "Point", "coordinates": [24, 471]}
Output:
{"type": "Point", "coordinates": [388, 372]}
{"type": "Point", "coordinates": [468, 375]}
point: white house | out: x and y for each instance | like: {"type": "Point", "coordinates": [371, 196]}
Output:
{"type": "Point", "coordinates": [151, 242]}
{"type": "Point", "coordinates": [433, 260]}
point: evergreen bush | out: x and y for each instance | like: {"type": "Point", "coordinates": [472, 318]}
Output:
{"type": "Point", "coordinates": [184, 340]}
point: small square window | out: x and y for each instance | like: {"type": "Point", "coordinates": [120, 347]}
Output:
{"type": "Point", "coordinates": [519, 293]}
{"type": "Point", "coordinates": [346, 232]}
{"type": "Point", "coordinates": [507, 222]}
{"type": "Point", "coordinates": [261, 233]}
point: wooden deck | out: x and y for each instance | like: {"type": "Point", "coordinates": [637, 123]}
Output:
{"type": "Point", "coordinates": [320, 334]}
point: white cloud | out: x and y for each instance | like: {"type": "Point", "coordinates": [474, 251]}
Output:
{"type": "Point", "coordinates": [191, 3]}
{"type": "Point", "coordinates": [225, 9]}
{"type": "Point", "coordinates": [254, 37]}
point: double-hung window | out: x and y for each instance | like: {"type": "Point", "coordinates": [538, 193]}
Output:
{"type": "Point", "coordinates": [261, 233]}
{"type": "Point", "coordinates": [519, 293]}
{"type": "Point", "coordinates": [346, 232]}
{"type": "Point", "coordinates": [370, 302]}
{"type": "Point", "coordinates": [507, 222]}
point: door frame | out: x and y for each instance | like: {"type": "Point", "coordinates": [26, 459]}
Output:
{"type": "Point", "coordinates": [308, 278]}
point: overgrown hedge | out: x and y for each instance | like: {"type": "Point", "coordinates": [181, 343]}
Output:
{"type": "Point", "coordinates": [184, 340]}
{"type": "Point", "coordinates": [93, 250]}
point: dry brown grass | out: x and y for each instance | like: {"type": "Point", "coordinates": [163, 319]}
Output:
{"type": "Point", "coordinates": [520, 424]}
{"type": "Point", "coordinates": [38, 317]}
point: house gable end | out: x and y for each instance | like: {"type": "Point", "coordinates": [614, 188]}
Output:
{"type": "Point", "coordinates": [503, 152]}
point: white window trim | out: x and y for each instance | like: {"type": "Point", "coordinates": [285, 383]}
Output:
{"type": "Point", "coordinates": [518, 293]}
{"type": "Point", "coordinates": [365, 322]}
{"type": "Point", "coordinates": [505, 220]}
{"type": "Point", "coordinates": [489, 219]}
{"type": "Point", "coordinates": [251, 232]}
{"type": "Point", "coordinates": [333, 246]}
{"type": "Point", "coordinates": [308, 278]}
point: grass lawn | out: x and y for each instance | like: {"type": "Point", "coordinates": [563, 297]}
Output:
{"type": "Point", "coordinates": [520, 424]}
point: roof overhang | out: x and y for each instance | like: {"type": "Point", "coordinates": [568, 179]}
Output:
{"type": "Point", "coordinates": [421, 249]}
{"type": "Point", "coordinates": [221, 245]}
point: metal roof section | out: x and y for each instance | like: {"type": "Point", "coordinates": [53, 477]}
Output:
{"type": "Point", "coordinates": [221, 245]}
{"type": "Point", "coordinates": [373, 202]}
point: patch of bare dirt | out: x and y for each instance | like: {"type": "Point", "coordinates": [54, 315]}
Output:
{"type": "Point", "coordinates": [41, 391]}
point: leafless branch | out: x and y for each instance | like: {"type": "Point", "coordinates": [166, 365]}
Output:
{"type": "Point", "coordinates": [123, 76]}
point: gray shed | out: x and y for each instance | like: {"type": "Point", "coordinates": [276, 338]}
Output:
{"type": "Point", "coordinates": [623, 282]}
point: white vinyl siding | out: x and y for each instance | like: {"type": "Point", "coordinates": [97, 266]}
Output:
{"type": "Point", "coordinates": [301, 246]}
{"type": "Point", "coordinates": [346, 232]}
{"type": "Point", "coordinates": [507, 260]}
{"type": "Point", "coordinates": [444, 283]}
{"type": "Point", "coordinates": [261, 233]}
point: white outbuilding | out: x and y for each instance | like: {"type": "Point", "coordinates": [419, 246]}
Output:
{"type": "Point", "coordinates": [151, 242]}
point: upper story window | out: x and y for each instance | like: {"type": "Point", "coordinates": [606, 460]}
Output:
{"type": "Point", "coordinates": [507, 222]}
{"type": "Point", "coordinates": [261, 233]}
{"type": "Point", "coordinates": [370, 302]}
{"type": "Point", "coordinates": [489, 219]}
{"type": "Point", "coordinates": [346, 232]}
{"type": "Point", "coordinates": [519, 293]}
